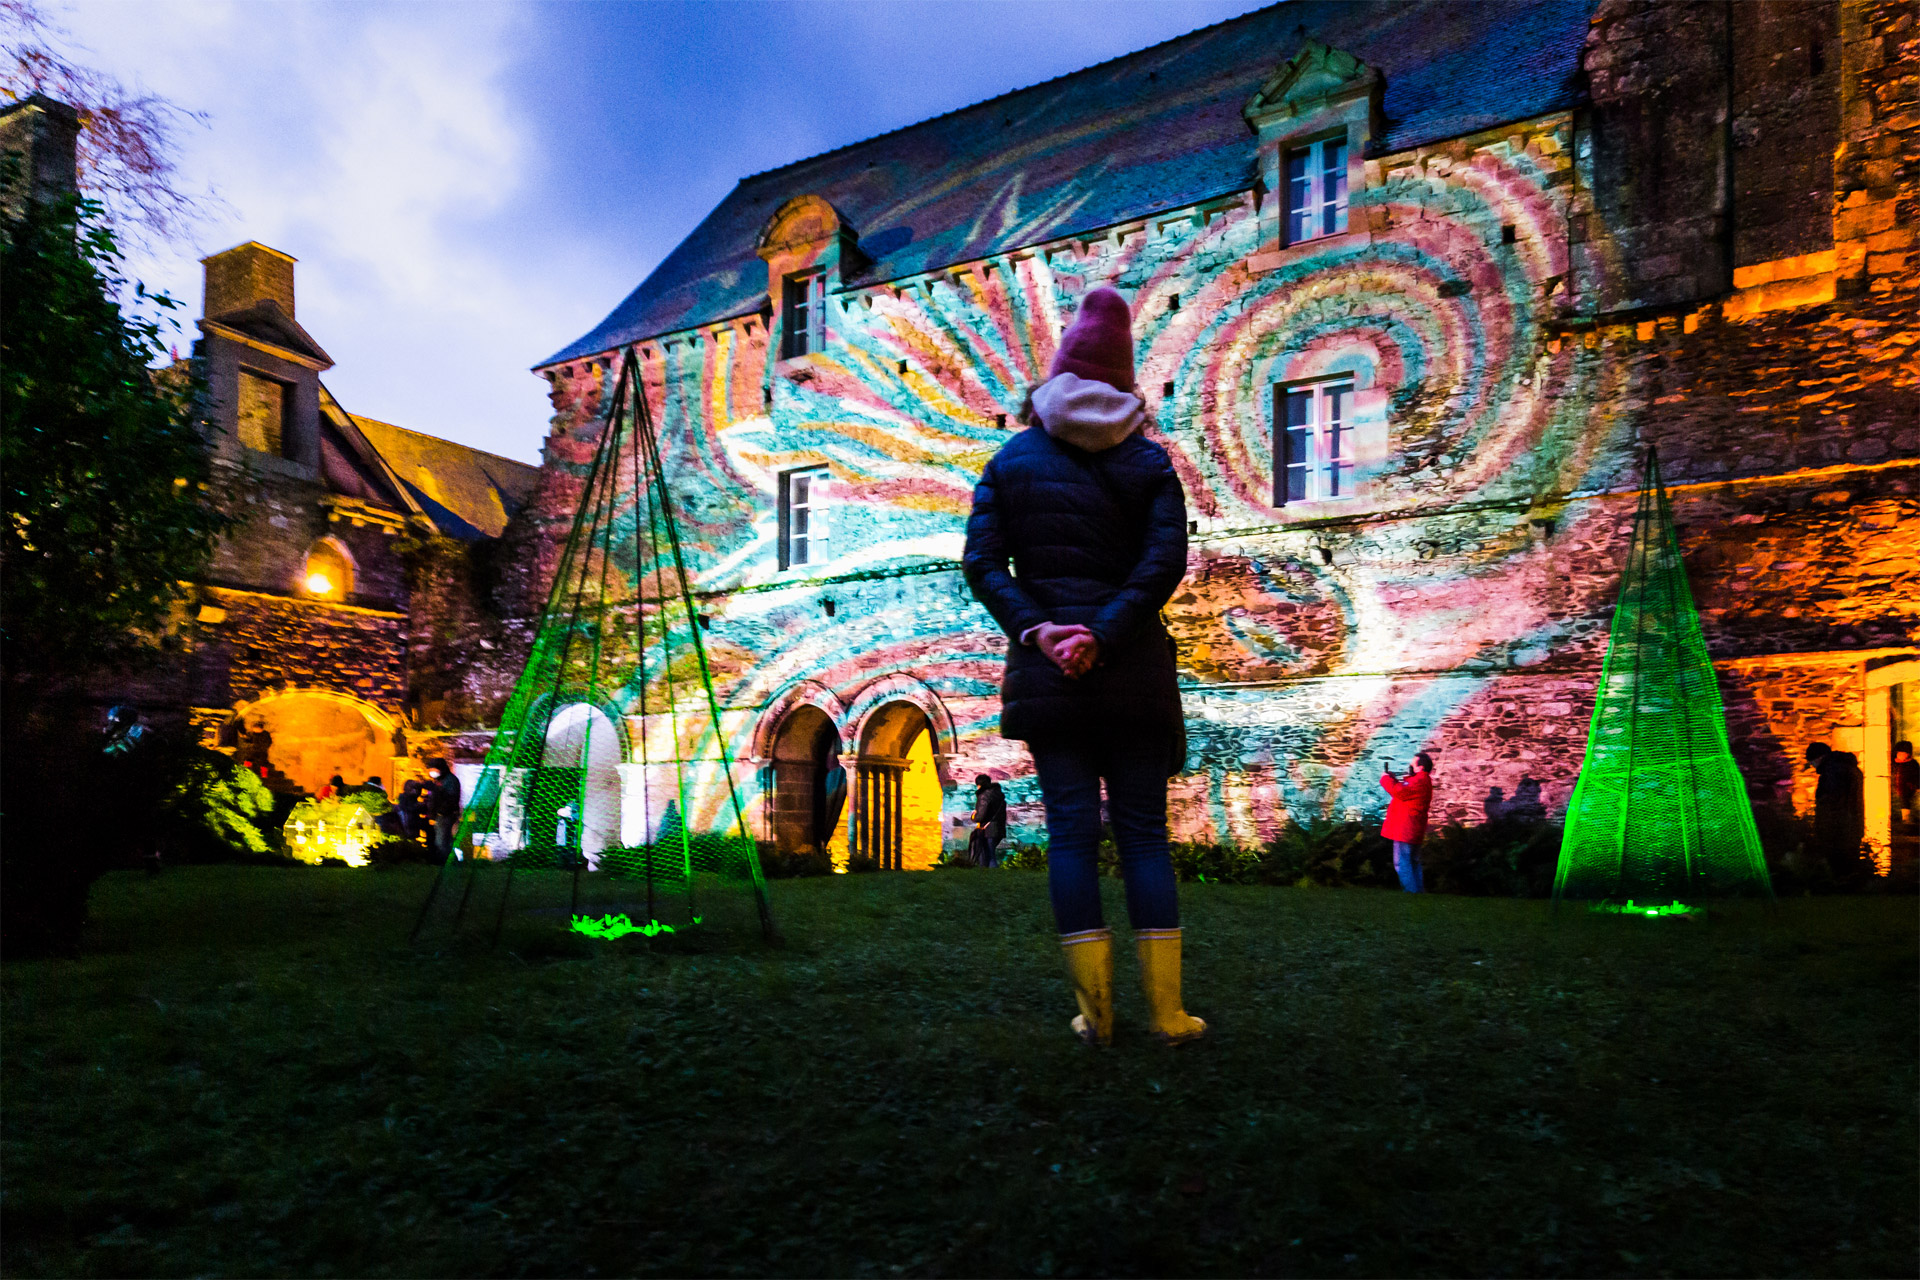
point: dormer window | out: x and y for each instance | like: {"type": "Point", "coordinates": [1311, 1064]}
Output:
{"type": "Point", "coordinates": [1317, 190]}
{"type": "Point", "coordinates": [261, 420]}
{"type": "Point", "coordinates": [803, 322]}
{"type": "Point", "coordinates": [1315, 117]}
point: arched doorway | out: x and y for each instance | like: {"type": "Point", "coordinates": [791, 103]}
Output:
{"type": "Point", "coordinates": [302, 738]}
{"type": "Point", "coordinates": [896, 797]}
{"type": "Point", "coordinates": [803, 819]}
{"type": "Point", "coordinates": [574, 802]}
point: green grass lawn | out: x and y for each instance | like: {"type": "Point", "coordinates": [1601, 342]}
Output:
{"type": "Point", "coordinates": [250, 1074]}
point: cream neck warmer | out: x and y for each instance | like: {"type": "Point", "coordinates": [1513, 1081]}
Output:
{"type": "Point", "coordinates": [1088, 415]}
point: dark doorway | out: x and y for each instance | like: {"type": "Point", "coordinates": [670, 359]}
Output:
{"type": "Point", "coordinates": [801, 758]}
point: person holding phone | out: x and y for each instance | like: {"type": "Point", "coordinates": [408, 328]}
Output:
{"type": "Point", "coordinates": [1406, 823]}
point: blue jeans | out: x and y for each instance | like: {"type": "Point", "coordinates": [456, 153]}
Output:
{"type": "Point", "coordinates": [1136, 777]}
{"type": "Point", "coordinates": [1407, 863]}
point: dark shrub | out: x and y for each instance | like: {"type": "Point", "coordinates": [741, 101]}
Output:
{"type": "Point", "coordinates": [1329, 854]}
{"type": "Point", "coordinates": [775, 865]}
{"type": "Point", "coordinates": [395, 852]}
{"type": "Point", "coordinates": [1026, 857]}
{"type": "Point", "coordinates": [1505, 858]}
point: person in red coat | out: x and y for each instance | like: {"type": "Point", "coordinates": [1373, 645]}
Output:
{"type": "Point", "coordinates": [1406, 823]}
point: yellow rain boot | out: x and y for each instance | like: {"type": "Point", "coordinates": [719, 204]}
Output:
{"type": "Point", "coordinates": [1160, 975]}
{"type": "Point", "coordinates": [1090, 966]}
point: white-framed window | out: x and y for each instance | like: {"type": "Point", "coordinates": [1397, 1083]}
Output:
{"type": "Point", "coordinates": [1316, 190]}
{"type": "Point", "coordinates": [803, 517]}
{"type": "Point", "coordinates": [803, 320]}
{"type": "Point", "coordinates": [1313, 441]}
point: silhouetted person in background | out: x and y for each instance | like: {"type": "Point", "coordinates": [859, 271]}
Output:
{"type": "Point", "coordinates": [256, 745]}
{"type": "Point", "coordinates": [1839, 818]}
{"type": "Point", "coordinates": [132, 784]}
{"type": "Point", "coordinates": [1906, 779]}
{"type": "Point", "coordinates": [989, 822]}
{"type": "Point", "coordinates": [442, 797]}
{"type": "Point", "coordinates": [833, 798]}
{"type": "Point", "coordinates": [409, 809]}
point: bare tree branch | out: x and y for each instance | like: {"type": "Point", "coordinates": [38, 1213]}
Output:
{"type": "Point", "coordinates": [127, 154]}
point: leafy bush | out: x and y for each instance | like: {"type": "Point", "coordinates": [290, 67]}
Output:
{"type": "Point", "coordinates": [214, 811]}
{"type": "Point", "coordinates": [859, 864]}
{"type": "Point", "coordinates": [1504, 858]}
{"type": "Point", "coordinates": [1026, 857]}
{"type": "Point", "coordinates": [1330, 854]}
{"type": "Point", "coordinates": [1796, 867]}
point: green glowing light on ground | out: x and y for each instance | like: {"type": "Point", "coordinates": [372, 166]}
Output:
{"type": "Point", "coordinates": [620, 927]}
{"type": "Point", "coordinates": [1632, 908]}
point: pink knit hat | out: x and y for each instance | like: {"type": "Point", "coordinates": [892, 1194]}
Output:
{"type": "Point", "coordinates": [1099, 342]}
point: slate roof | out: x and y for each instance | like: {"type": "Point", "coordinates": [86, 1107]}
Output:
{"type": "Point", "coordinates": [1152, 130]}
{"type": "Point", "coordinates": [467, 493]}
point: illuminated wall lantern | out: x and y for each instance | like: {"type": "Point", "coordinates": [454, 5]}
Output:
{"type": "Point", "coordinates": [328, 574]}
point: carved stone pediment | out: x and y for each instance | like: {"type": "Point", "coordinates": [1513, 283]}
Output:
{"type": "Point", "coordinates": [1315, 80]}
{"type": "Point", "coordinates": [804, 222]}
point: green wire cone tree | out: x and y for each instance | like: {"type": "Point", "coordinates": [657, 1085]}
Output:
{"type": "Point", "coordinates": [608, 800]}
{"type": "Point", "coordinates": [1660, 813]}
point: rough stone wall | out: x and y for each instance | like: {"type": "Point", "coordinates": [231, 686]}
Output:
{"type": "Point", "coordinates": [279, 520]}
{"type": "Point", "coordinates": [1786, 72]}
{"type": "Point", "coordinates": [1657, 80]}
{"type": "Point", "coordinates": [1775, 708]}
{"type": "Point", "coordinates": [266, 643]}
{"type": "Point", "coordinates": [1878, 166]}
{"type": "Point", "coordinates": [462, 653]}
{"type": "Point", "coordinates": [1525, 309]}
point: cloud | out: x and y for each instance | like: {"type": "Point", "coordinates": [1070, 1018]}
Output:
{"type": "Point", "coordinates": [380, 145]}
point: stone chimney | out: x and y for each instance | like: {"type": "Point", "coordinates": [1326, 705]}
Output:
{"type": "Point", "coordinates": [42, 133]}
{"type": "Point", "coordinates": [246, 275]}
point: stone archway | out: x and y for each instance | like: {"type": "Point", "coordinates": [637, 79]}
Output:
{"type": "Point", "coordinates": [896, 800]}
{"type": "Point", "coordinates": [574, 797]}
{"type": "Point", "coordinates": [300, 738]}
{"type": "Point", "coordinates": [801, 815]}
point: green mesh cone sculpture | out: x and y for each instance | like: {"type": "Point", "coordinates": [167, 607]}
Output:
{"type": "Point", "coordinates": [1660, 814]}
{"type": "Point", "coordinates": [607, 803]}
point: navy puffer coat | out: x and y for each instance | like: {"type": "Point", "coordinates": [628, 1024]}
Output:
{"type": "Point", "coordinates": [1098, 539]}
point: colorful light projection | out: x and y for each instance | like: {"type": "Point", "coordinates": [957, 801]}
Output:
{"type": "Point", "coordinates": [593, 770]}
{"type": "Point", "coordinates": [1304, 670]}
{"type": "Point", "coordinates": [1660, 810]}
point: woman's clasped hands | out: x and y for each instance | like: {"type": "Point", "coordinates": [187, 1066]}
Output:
{"type": "Point", "coordinates": [1071, 647]}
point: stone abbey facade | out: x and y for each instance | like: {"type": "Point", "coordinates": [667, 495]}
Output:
{"type": "Point", "coordinates": [301, 650]}
{"type": "Point", "coordinates": [1415, 285]}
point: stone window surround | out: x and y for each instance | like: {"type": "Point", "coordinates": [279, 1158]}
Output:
{"type": "Point", "coordinates": [1316, 95]}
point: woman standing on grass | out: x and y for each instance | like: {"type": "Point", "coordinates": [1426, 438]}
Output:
{"type": "Point", "coordinates": [1093, 520]}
